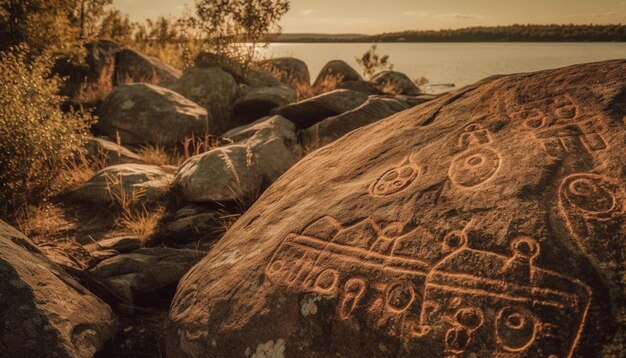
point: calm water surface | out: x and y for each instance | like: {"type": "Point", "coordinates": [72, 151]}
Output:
{"type": "Point", "coordinates": [455, 63]}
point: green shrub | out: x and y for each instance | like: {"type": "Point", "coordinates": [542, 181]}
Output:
{"type": "Point", "coordinates": [36, 137]}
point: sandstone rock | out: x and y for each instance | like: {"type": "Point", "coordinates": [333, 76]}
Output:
{"type": "Point", "coordinates": [238, 171]}
{"type": "Point", "coordinates": [214, 90]}
{"type": "Point", "coordinates": [338, 69]}
{"type": "Point", "coordinates": [291, 70]}
{"type": "Point", "coordinates": [144, 113]}
{"type": "Point", "coordinates": [148, 183]}
{"type": "Point", "coordinates": [259, 102]}
{"type": "Point", "coordinates": [145, 270]}
{"type": "Point", "coordinates": [396, 83]}
{"type": "Point", "coordinates": [412, 101]}
{"type": "Point", "coordinates": [89, 83]}
{"type": "Point", "coordinates": [119, 244]}
{"type": "Point", "coordinates": [364, 87]}
{"type": "Point", "coordinates": [310, 111]}
{"type": "Point", "coordinates": [44, 312]}
{"type": "Point", "coordinates": [488, 222]}
{"type": "Point", "coordinates": [133, 66]}
{"type": "Point", "coordinates": [332, 128]}
{"type": "Point", "coordinates": [110, 153]}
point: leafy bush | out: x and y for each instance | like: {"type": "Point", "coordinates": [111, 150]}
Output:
{"type": "Point", "coordinates": [36, 137]}
{"type": "Point", "coordinates": [372, 62]}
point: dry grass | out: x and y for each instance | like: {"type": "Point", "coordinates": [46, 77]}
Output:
{"type": "Point", "coordinates": [132, 217]}
{"type": "Point", "coordinates": [193, 146]}
{"type": "Point", "coordinates": [156, 155]}
{"type": "Point", "coordinates": [392, 87]}
{"type": "Point", "coordinates": [178, 55]}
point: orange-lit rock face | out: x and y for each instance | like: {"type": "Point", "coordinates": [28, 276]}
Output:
{"type": "Point", "coordinates": [489, 222]}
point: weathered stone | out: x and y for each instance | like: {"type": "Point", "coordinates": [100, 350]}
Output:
{"type": "Point", "coordinates": [209, 60]}
{"type": "Point", "coordinates": [258, 79]}
{"type": "Point", "coordinates": [145, 270]}
{"type": "Point", "coordinates": [291, 70]}
{"type": "Point", "coordinates": [119, 244]}
{"type": "Point", "coordinates": [332, 128]}
{"type": "Point", "coordinates": [488, 222]}
{"type": "Point", "coordinates": [133, 66]}
{"type": "Point", "coordinates": [110, 153]}
{"type": "Point", "coordinates": [339, 70]}
{"type": "Point", "coordinates": [214, 90]}
{"type": "Point", "coordinates": [238, 171]}
{"type": "Point", "coordinates": [364, 87]}
{"type": "Point", "coordinates": [44, 312]}
{"type": "Point", "coordinates": [412, 101]}
{"type": "Point", "coordinates": [89, 83]}
{"type": "Point", "coordinates": [396, 83]}
{"type": "Point", "coordinates": [267, 127]}
{"type": "Point", "coordinates": [310, 111]}
{"type": "Point", "coordinates": [193, 222]}
{"type": "Point", "coordinates": [147, 183]}
{"type": "Point", "coordinates": [259, 102]}
{"type": "Point", "coordinates": [144, 113]}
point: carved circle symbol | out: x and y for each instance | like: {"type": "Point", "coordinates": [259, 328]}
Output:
{"type": "Point", "coordinates": [515, 328]}
{"type": "Point", "coordinates": [399, 296]}
{"type": "Point", "coordinates": [454, 240]}
{"type": "Point", "coordinates": [275, 267]}
{"type": "Point", "coordinates": [474, 167]}
{"type": "Point", "coordinates": [327, 280]}
{"type": "Point", "coordinates": [591, 194]}
{"type": "Point", "coordinates": [470, 318]}
{"type": "Point", "coordinates": [525, 246]}
{"type": "Point", "coordinates": [395, 180]}
{"type": "Point", "coordinates": [457, 339]}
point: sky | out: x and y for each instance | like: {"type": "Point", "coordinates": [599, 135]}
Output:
{"type": "Point", "coordinates": [377, 16]}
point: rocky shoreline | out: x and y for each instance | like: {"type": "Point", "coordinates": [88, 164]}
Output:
{"type": "Point", "coordinates": [368, 219]}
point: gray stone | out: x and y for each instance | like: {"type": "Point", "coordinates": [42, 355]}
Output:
{"type": "Point", "coordinates": [133, 66]}
{"type": "Point", "coordinates": [310, 111]}
{"type": "Point", "coordinates": [395, 83]}
{"type": "Point", "coordinates": [291, 70]}
{"type": "Point", "coordinates": [339, 70]}
{"type": "Point", "coordinates": [364, 87]}
{"type": "Point", "coordinates": [259, 102]}
{"type": "Point", "coordinates": [143, 113]}
{"type": "Point", "coordinates": [44, 312]}
{"type": "Point", "coordinates": [110, 153]}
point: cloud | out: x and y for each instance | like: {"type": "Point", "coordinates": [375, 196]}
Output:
{"type": "Point", "coordinates": [308, 12]}
{"type": "Point", "coordinates": [417, 13]}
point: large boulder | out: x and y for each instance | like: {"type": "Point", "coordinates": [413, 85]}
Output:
{"type": "Point", "coordinates": [146, 270]}
{"type": "Point", "coordinates": [241, 170]}
{"type": "Point", "coordinates": [335, 127]}
{"type": "Point", "coordinates": [312, 110]}
{"type": "Point", "coordinates": [337, 70]}
{"type": "Point", "coordinates": [214, 90]}
{"type": "Point", "coordinates": [89, 83]}
{"type": "Point", "coordinates": [364, 87]}
{"type": "Point", "coordinates": [146, 183]}
{"type": "Point", "coordinates": [143, 113]}
{"type": "Point", "coordinates": [44, 312]}
{"type": "Point", "coordinates": [488, 222]}
{"type": "Point", "coordinates": [259, 102]}
{"type": "Point", "coordinates": [133, 66]}
{"type": "Point", "coordinates": [290, 70]}
{"type": "Point", "coordinates": [395, 83]}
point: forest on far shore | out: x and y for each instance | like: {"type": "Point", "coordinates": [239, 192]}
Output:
{"type": "Point", "coordinates": [511, 33]}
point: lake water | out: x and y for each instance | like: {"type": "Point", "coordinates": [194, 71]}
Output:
{"type": "Point", "coordinates": [454, 63]}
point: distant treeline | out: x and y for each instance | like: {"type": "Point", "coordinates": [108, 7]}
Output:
{"type": "Point", "coordinates": [512, 33]}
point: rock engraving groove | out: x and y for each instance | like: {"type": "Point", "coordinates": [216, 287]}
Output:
{"type": "Point", "coordinates": [396, 179]}
{"type": "Point", "coordinates": [474, 167]}
{"type": "Point", "coordinates": [561, 127]}
{"type": "Point", "coordinates": [468, 300]}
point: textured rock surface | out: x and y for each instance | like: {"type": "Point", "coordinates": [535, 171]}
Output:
{"type": "Point", "coordinates": [262, 151]}
{"type": "Point", "coordinates": [398, 82]}
{"type": "Point", "coordinates": [110, 153]}
{"type": "Point", "coordinates": [212, 89]}
{"type": "Point", "coordinates": [312, 110]}
{"type": "Point", "coordinates": [338, 69]}
{"type": "Point", "coordinates": [364, 87]}
{"type": "Point", "coordinates": [89, 83]}
{"type": "Point", "coordinates": [145, 270]}
{"type": "Point", "coordinates": [133, 66]}
{"type": "Point", "coordinates": [259, 102]}
{"type": "Point", "coordinates": [44, 312]}
{"type": "Point", "coordinates": [147, 182]}
{"type": "Point", "coordinates": [144, 113]}
{"type": "Point", "coordinates": [488, 222]}
{"type": "Point", "coordinates": [332, 128]}
{"type": "Point", "coordinates": [291, 70]}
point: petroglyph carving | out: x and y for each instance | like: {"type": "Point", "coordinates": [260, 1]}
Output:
{"type": "Point", "coordinates": [474, 167]}
{"type": "Point", "coordinates": [472, 301]}
{"type": "Point", "coordinates": [591, 196]}
{"type": "Point", "coordinates": [474, 134]}
{"type": "Point", "coordinates": [559, 125]}
{"type": "Point", "coordinates": [395, 179]}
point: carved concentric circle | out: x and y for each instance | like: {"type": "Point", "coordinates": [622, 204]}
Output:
{"type": "Point", "coordinates": [474, 167]}
{"type": "Point", "coordinates": [399, 296]}
{"type": "Point", "coordinates": [394, 180]}
{"type": "Point", "coordinates": [515, 328]}
{"type": "Point", "coordinates": [592, 195]}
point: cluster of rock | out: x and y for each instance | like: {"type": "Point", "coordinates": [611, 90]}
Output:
{"type": "Point", "coordinates": [486, 222]}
